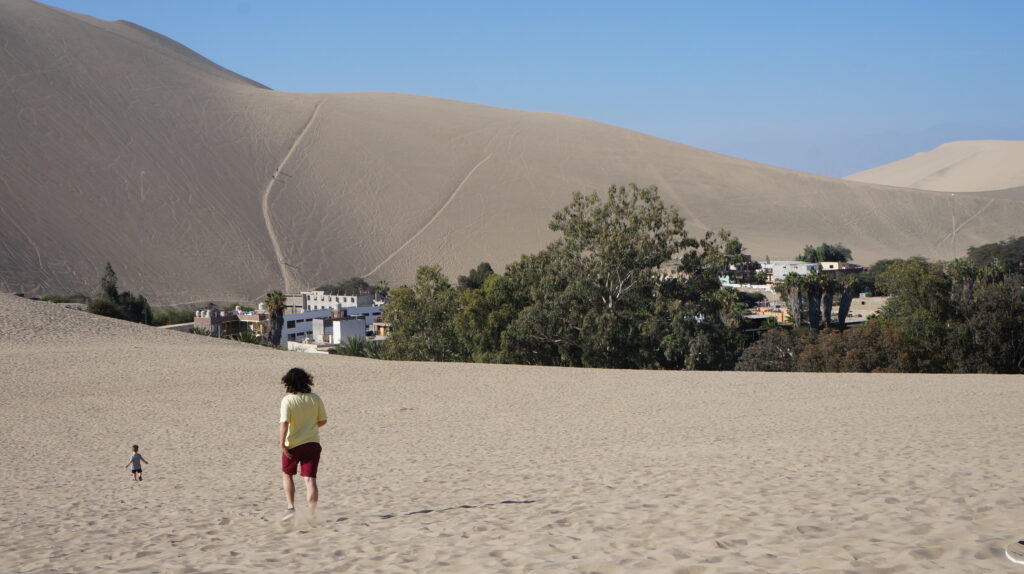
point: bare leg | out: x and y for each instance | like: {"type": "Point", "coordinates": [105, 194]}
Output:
{"type": "Point", "coordinates": [289, 489]}
{"type": "Point", "coordinates": [312, 493]}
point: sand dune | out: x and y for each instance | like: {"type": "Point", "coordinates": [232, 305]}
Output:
{"type": "Point", "coordinates": [983, 165]}
{"type": "Point", "coordinates": [481, 468]}
{"type": "Point", "coordinates": [121, 145]}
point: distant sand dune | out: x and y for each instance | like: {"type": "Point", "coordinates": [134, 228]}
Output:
{"type": "Point", "coordinates": [961, 166]}
{"type": "Point", "coordinates": [121, 145]}
{"type": "Point", "coordinates": [604, 471]}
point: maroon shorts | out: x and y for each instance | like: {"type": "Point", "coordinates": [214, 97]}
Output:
{"type": "Point", "coordinates": [306, 454]}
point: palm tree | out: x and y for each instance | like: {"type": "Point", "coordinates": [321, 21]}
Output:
{"type": "Point", "coordinates": [248, 337]}
{"type": "Point", "coordinates": [814, 288]}
{"type": "Point", "coordinates": [850, 285]}
{"type": "Point", "coordinates": [275, 306]}
{"type": "Point", "coordinates": [791, 289]}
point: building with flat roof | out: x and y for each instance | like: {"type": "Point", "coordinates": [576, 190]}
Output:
{"type": "Point", "coordinates": [226, 324]}
{"type": "Point", "coordinates": [298, 327]}
{"type": "Point", "coordinates": [777, 270]}
{"type": "Point", "coordinates": [323, 300]}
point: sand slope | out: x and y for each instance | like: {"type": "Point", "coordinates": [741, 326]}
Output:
{"type": "Point", "coordinates": [977, 165]}
{"type": "Point", "coordinates": [477, 468]}
{"type": "Point", "coordinates": [121, 145]}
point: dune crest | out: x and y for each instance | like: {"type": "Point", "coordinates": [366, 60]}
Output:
{"type": "Point", "coordinates": [960, 166]}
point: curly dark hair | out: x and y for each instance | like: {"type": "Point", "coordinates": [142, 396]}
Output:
{"type": "Point", "coordinates": [297, 381]}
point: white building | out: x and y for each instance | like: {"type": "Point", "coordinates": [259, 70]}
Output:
{"type": "Point", "coordinates": [354, 315]}
{"type": "Point", "coordinates": [299, 326]}
{"type": "Point", "coordinates": [336, 329]}
{"type": "Point", "coordinates": [840, 266]}
{"type": "Point", "coordinates": [320, 300]}
{"type": "Point", "coordinates": [369, 315]}
{"type": "Point", "coordinates": [365, 306]}
{"type": "Point", "coordinates": [779, 269]}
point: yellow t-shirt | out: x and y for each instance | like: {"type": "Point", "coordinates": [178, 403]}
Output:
{"type": "Point", "coordinates": [302, 411]}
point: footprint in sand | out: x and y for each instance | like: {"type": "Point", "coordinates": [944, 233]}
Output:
{"type": "Point", "coordinates": [811, 531]}
{"type": "Point", "coordinates": [927, 553]}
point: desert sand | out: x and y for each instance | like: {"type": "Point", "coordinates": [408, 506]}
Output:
{"type": "Point", "coordinates": [483, 468]}
{"type": "Point", "coordinates": [961, 166]}
{"type": "Point", "coordinates": [122, 145]}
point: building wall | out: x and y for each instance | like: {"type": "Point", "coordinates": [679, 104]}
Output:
{"type": "Point", "coordinates": [779, 269]}
{"type": "Point", "coordinates": [369, 314]}
{"type": "Point", "coordinates": [321, 300]}
{"type": "Point", "coordinates": [219, 323]}
{"type": "Point", "coordinates": [344, 329]}
{"type": "Point", "coordinates": [299, 326]}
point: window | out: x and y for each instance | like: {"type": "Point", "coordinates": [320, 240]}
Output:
{"type": "Point", "coordinates": [291, 324]}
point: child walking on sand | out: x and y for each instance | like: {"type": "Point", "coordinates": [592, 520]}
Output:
{"type": "Point", "coordinates": [136, 463]}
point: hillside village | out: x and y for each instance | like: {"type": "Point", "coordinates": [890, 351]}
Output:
{"type": "Point", "coordinates": [313, 321]}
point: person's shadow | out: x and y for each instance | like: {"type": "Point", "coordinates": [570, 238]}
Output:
{"type": "Point", "coordinates": [461, 506]}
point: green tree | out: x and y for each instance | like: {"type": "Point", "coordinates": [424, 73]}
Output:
{"type": "Point", "coordinates": [1008, 254]}
{"type": "Point", "coordinates": [594, 297]}
{"type": "Point", "coordinates": [825, 252]}
{"type": "Point", "coordinates": [118, 304]}
{"type": "Point", "coordinates": [422, 319]}
{"type": "Point", "coordinates": [476, 277]}
{"type": "Point", "coordinates": [993, 331]}
{"type": "Point", "coordinates": [108, 283]}
{"type": "Point", "coordinates": [353, 286]}
{"type": "Point", "coordinates": [275, 308]}
{"type": "Point", "coordinates": [869, 277]}
{"type": "Point", "coordinates": [777, 350]}
{"type": "Point", "coordinates": [919, 312]}
{"type": "Point", "coordinates": [592, 291]}
{"type": "Point", "coordinates": [705, 319]}
{"type": "Point", "coordinates": [172, 316]}
{"type": "Point", "coordinates": [848, 287]}
{"type": "Point", "coordinates": [358, 347]}
{"type": "Point", "coordinates": [382, 289]}
{"type": "Point", "coordinates": [485, 315]}
{"type": "Point", "coordinates": [866, 349]}
{"type": "Point", "coordinates": [248, 337]}
{"type": "Point", "coordinates": [792, 290]}
{"type": "Point", "coordinates": [811, 298]}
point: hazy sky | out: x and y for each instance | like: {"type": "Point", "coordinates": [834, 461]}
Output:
{"type": "Point", "coordinates": [824, 86]}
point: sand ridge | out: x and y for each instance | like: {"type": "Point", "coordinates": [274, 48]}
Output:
{"type": "Point", "coordinates": [960, 166]}
{"type": "Point", "coordinates": [472, 468]}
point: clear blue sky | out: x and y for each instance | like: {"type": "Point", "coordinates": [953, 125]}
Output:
{"type": "Point", "coordinates": [822, 86]}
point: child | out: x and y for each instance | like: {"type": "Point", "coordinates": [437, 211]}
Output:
{"type": "Point", "coordinates": [136, 463]}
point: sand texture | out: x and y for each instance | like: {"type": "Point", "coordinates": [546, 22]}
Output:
{"type": "Point", "coordinates": [478, 468]}
{"type": "Point", "coordinates": [121, 145]}
{"type": "Point", "coordinates": [962, 166]}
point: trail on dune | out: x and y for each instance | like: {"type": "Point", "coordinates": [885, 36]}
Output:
{"type": "Point", "coordinates": [437, 214]}
{"type": "Point", "coordinates": [957, 229]}
{"type": "Point", "coordinates": [286, 274]}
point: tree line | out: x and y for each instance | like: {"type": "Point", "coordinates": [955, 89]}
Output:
{"type": "Point", "coordinates": [604, 294]}
{"type": "Point", "coordinates": [942, 317]}
{"type": "Point", "coordinates": [625, 286]}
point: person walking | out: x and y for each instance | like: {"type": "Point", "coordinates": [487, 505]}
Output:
{"type": "Point", "coordinates": [302, 415]}
{"type": "Point", "coordinates": [136, 463]}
